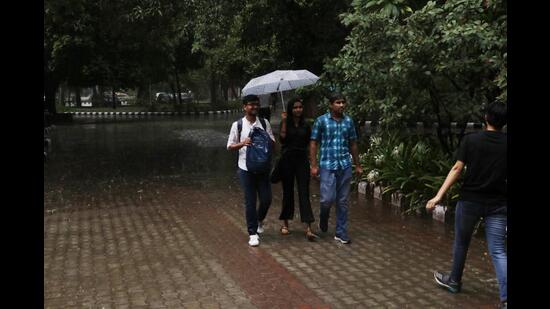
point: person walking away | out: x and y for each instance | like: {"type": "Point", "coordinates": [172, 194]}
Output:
{"type": "Point", "coordinates": [253, 184]}
{"type": "Point", "coordinates": [294, 136]}
{"type": "Point", "coordinates": [483, 195]}
{"type": "Point", "coordinates": [334, 135]}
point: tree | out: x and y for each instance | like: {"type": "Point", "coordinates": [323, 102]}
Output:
{"type": "Point", "coordinates": [118, 44]}
{"type": "Point", "coordinates": [389, 8]}
{"type": "Point", "coordinates": [254, 37]}
{"type": "Point", "coordinates": [68, 30]}
{"type": "Point", "coordinates": [440, 64]}
{"type": "Point", "coordinates": [121, 44]}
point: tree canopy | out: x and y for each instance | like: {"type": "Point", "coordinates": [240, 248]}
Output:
{"type": "Point", "coordinates": [439, 63]}
{"type": "Point", "coordinates": [398, 61]}
{"type": "Point", "coordinates": [122, 44]}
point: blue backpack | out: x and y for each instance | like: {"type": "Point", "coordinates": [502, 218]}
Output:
{"type": "Point", "coordinates": [258, 155]}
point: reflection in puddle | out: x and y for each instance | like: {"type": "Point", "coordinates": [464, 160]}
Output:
{"type": "Point", "coordinates": [109, 154]}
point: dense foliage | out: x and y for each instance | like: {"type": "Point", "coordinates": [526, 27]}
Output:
{"type": "Point", "coordinates": [439, 63]}
{"type": "Point", "coordinates": [133, 44]}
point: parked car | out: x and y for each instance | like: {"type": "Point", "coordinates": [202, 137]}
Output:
{"type": "Point", "coordinates": [124, 98]}
{"type": "Point", "coordinates": [187, 96]}
{"type": "Point", "coordinates": [108, 99]}
{"type": "Point", "coordinates": [86, 101]}
{"type": "Point", "coordinates": [163, 97]}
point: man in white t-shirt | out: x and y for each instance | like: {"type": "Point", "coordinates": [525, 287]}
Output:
{"type": "Point", "coordinates": [253, 184]}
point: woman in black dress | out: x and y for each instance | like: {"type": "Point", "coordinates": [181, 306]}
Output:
{"type": "Point", "coordinates": [294, 136]}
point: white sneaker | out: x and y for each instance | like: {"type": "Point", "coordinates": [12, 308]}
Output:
{"type": "Point", "coordinates": [254, 240]}
{"type": "Point", "coordinates": [260, 228]}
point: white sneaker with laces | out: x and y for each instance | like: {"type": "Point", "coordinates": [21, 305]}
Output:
{"type": "Point", "coordinates": [260, 228]}
{"type": "Point", "coordinates": [254, 240]}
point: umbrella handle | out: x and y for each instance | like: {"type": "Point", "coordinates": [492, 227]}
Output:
{"type": "Point", "coordinates": [282, 101]}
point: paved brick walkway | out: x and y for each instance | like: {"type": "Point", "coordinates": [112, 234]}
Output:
{"type": "Point", "coordinates": [174, 246]}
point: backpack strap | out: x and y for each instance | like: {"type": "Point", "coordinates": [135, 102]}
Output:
{"type": "Point", "coordinates": [240, 127]}
{"type": "Point", "coordinates": [262, 121]}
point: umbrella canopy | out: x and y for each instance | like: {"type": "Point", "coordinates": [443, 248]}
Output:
{"type": "Point", "coordinates": [280, 80]}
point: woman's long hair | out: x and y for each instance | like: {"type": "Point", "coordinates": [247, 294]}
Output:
{"type": "Point", "coordinates": [289, 115]}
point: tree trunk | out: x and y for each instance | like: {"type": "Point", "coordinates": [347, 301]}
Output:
{"type": "Point", "coordinates": [61, 97]}
{"type": "Point", "coordinates": [113, 96]}
{"type": "Point", "coordinates": [213, 86]}
{"type": "Point", "coordinates": [225, 91]}
{"type": "Point", "coordinates": [101, 96]}
{"type": "Point", "coordinates": [178, 89]}
{"type": "Point", "coordinates": [68, 97]}
{"type": "Point", "coordinates": [150, 95]}
{"type": "Point", "coordinates": [77, 96]}
{"type": "Point", "coordinates": [434, 98]}
{"type": "Point", "coordinates": [310, 107]}
{"type": "Point", "coordinates": [94, 96]}
{"type": "Point", "coordinates": [173, 98]}
{"type": "Point", "coordinates": [233, 92]}
{"type": "Point", "coordinates": [141, 93]}
{"type": "Point", "coordinates": [50, 89]}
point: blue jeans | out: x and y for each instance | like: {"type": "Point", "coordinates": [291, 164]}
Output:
{"type": "Point", "coordinates": [335, 185]}
{"type": "Point", "coordinates": [466, 216]}
{"type": "Point", "coordinates": [255, 185]}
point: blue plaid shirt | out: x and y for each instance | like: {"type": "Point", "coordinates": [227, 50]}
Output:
{"type": "Point", "coordinates": [334, 137]}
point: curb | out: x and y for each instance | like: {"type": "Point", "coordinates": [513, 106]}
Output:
{"type": "Point", "coordinates": [397, 199]}
{"type": "Point", "coordinates": [189, 113]}
{"type": "Point", "coordinates": [370, 127]}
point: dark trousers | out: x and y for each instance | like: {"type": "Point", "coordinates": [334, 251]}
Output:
{"type": "Point", "coordinates": [466, 216]}
{"type": "Point", "coordinates": [255, 185]}
{"type": "Point", "coordinates": [296, 166]}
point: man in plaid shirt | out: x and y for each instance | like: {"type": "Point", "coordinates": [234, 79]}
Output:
{"type": "Point", "coordinates": [337, 137]}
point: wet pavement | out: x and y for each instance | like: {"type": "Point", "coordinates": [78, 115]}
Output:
{"type": "Point", "coordinates": [147, 213]}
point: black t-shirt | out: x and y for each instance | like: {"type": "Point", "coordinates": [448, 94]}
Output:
{"type": "Point", "coordinates": [297, 138]}
{"type": "Point", "coordinates": [484, 155]}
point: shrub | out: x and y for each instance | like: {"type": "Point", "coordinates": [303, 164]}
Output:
{"type": "Point", "coordinates": [412, 165]}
